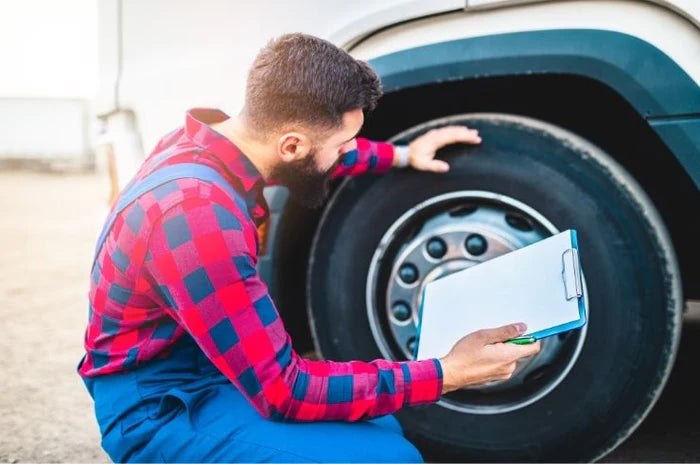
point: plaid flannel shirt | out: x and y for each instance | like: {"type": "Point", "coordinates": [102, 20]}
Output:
{"type": "Point", "coordinates": [180, 260]}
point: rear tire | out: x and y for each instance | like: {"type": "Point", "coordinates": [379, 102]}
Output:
{"type": "Point", "coordinates": [633, 284]}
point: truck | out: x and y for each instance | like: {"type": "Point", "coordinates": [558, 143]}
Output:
{"type": "Point", "coordinates": [589, 114]}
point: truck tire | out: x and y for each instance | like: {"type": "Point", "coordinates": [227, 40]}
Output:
{"type": "Point", "coordinates": [588, 389]}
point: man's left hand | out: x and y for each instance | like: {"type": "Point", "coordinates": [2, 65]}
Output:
{"type": "Point", "coordinates": [421, 151]}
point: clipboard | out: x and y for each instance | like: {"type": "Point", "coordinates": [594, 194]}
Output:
{"type": "Point", "coordinates": [540, 284]}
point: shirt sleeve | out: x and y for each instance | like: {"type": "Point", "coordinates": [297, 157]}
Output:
{"type": "Point", "coordinates": [201, 261]}
{"type": "Point", "coordinates": [369, 156]}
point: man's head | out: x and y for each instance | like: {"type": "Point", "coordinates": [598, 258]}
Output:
{"type": "Point", "coordinates": [307, 99]}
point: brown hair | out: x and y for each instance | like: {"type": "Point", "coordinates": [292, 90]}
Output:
{"type": "Point", "coordinates": [299, 78]}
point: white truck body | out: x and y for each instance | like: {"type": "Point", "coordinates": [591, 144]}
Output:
{"type": "Point", "coordinates": [165, 56]}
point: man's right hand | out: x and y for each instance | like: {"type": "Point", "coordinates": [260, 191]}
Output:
{"type": "Point", "coordinates": [483, 356]}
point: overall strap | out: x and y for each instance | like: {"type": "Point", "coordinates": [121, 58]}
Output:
{"type": "Point", "coordinates": [151, 164]}
{"type": "Point", "coordinates": [159, 177]}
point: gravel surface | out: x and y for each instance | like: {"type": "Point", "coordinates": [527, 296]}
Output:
{"type": "Point", "coordinates": [48, 228]}
{"type": "Point", "coordinates": [49, 223]}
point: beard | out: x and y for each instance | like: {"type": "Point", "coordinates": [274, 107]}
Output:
{"type": "Point", "coordinates": [307, 185]}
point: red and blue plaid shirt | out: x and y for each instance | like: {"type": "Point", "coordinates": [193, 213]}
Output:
{"type": "Point", "coordinates": [181, 260]}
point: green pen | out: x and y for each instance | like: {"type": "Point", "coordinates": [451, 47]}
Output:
{"type": "Point", "coordinates": [522, 340]}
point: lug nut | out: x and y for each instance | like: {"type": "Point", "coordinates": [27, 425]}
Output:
{"type": "Point", "coordinates": [436, 247]}
{"type": "Point", "coordinates": [408, 273]}
{"type": "Point", "coordinates": [476, 244]}
{"type": "Point", "coordinates": [401, 310]}
{"type": "Point", "coordinates": [411, 345]}
{"type": "Point", "coordinates": [519, 222]}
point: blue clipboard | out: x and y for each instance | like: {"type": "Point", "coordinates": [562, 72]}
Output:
{"type": "Point", "coordinates": [573, 285]}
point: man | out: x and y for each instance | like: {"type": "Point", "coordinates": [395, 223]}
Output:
{"type": "Point", "coordinates": [187, 358]}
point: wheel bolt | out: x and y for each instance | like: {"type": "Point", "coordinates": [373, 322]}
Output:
{"type": "Point", "coordinates": [476, 244]}
{"type": "Point", "coordinates": [411, 345]}
{"type": "Point", "coordinates": [408, 273]}
{"type": "Point", "coordinates": [436, 247]}
{"type": "Point", "coordinates": [401, 310]}
{"type": "Point", "coordinates": [519, 222]}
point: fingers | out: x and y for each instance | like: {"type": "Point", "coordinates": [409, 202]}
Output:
{"type": "Point", "coordinates": [454, 134]}
{"type": "Point", "coordinates": [422, 154]}
{"type": "Point", "coordinates": [522, 351]}
{"type": "Point", "coordinates": [501, 334]}
{"type": "Point", "coordinates": [437, 166]}
{"type": "Point", "coordinates": [531, 349]}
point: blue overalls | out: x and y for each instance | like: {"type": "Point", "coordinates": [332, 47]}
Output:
{"type": "Point", "coordinates": [183, 409]}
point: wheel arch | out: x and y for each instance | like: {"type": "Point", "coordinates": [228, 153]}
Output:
{"type": "Point", "coordinates": [658, 89]}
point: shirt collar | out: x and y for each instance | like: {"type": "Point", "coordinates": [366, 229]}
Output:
{"type": "Point", "coordinates": [197, 129]}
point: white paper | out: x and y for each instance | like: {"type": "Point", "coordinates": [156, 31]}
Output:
{"type": "Point", "coordinates": [525, 285]}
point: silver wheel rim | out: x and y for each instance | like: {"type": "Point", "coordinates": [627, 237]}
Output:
{"type": "Point", "coordinates": [444, 234]}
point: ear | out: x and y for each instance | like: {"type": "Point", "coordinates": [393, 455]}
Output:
{"type": "Point", "coordinates": [292, 146]}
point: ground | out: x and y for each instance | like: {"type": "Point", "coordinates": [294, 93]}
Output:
{"type": "Point", "coordinates": [48, 227]}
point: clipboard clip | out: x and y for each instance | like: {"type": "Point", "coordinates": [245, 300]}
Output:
{"type": "Point", "coordinates": [571, 274]}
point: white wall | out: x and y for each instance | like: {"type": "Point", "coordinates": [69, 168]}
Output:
{"type": "Point", "coordinates": [44, 128]}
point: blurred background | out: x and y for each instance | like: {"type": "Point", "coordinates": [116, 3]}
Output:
{"type": "Point", "coordinates": [87, 89]}
{"type": "Point", "coordinates": [50, 55]}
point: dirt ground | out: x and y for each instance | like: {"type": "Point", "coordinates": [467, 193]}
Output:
{"type": "Point", "coordinates": [48, 226]}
